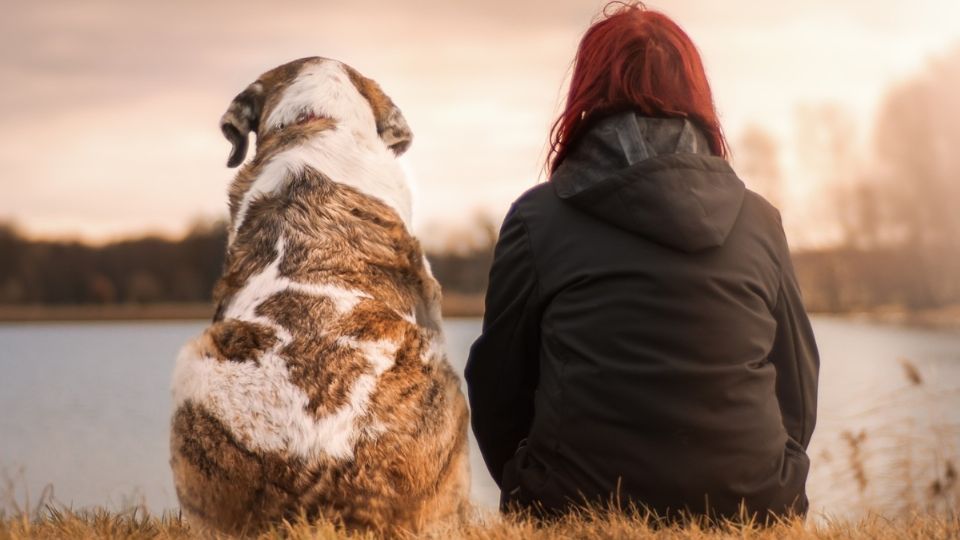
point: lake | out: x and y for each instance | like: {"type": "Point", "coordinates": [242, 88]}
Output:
{"type": "Point", "coordinates": [84, 407]}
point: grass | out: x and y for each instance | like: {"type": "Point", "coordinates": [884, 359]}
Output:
{"type": "Point", "coordinates": [135, 524]}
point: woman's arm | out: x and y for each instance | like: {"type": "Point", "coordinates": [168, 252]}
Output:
{"type": "Point", "coordinates": [502, 369]}
{"type": "Point", "coordinates": [796, 359]}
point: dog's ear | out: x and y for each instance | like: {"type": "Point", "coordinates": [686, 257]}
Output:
{"type": "Point", "coordinates": [391, 125]}
{"type": "Point", "coordinates": [242, 117]}
{"type": "Point", "coordinates": [394, 130]}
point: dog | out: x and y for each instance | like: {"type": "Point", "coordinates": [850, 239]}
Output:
{"type": "Point", "coordinates": [321, 389]}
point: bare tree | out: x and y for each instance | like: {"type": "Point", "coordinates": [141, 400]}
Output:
{"type": "Point", "coordinates": [827, 136]}
{"type": "Point", "coordinates": [758, 162]}
{"type": "Point", "coordinates": [917, 139]}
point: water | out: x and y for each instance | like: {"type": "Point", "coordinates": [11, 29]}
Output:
{"type": "Point", "coordinates": [85, 408]}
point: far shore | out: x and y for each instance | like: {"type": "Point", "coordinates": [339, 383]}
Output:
{"type": "Point", "coordinates": [943, 318]}
{"type": "Point", "coordinates": [454, 306]}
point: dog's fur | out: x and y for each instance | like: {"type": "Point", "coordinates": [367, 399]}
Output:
{"type": "Point", "coordinates": [321, 389]}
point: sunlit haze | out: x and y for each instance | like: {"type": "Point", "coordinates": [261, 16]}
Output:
{"type": "Point", "coordinates": [110, 109]}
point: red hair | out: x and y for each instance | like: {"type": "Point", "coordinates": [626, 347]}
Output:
{"type": "Point", "coordinates": [635, 59]}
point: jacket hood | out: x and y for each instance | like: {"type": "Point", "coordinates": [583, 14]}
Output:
{"type": "Point", "coordinates": [654, 177]}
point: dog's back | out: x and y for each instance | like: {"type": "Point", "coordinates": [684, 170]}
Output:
{"type": "Point", "coordinates": [321, 388]}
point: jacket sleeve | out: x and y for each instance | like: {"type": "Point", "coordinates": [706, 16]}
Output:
{"type": "Point", "coordinates": [502, 368]}
{"type": "Point", "coordinates": [796, 359]}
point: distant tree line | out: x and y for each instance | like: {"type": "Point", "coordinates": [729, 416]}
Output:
{"type": "Point", "coordinates": [156, 270]}
{"type": "Point", "coordinates": [909, 278]}
{"type": "Point", "coordinates": [145, 270]}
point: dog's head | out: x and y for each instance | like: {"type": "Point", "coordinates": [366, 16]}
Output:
{"type": "Point", "coordinates": [317, 92]}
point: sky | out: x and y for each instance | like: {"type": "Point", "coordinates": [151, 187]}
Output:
{"type": "Point", "coordinates": [110, 109]}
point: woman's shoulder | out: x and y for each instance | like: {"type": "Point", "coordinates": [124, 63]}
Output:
{"type": "Point", "coordinates": [759, 214]}
{"type": "Point", "coordinates": [756, 202]}
{"type": "Point", "coordinates": [539, 194]}
{"type": "Point", "coordinates": [758, 209]}
{"type": "Point", "coordinates": [535, 203]}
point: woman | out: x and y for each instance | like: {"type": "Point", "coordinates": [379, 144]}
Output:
{"type": "Point", "coordinates": [644, 337]}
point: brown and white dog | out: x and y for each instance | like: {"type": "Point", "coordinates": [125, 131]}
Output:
{"type": "Point", "coordinates": [321, 388]}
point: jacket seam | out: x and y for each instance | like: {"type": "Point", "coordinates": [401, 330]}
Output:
{"type": "Point", "coordinates": [538, 295]}
{"type": "Point", "coordinates": [778, 255]}
{"type": "Point", "coordinates": [779, 292]}
{"type": "Point", "coordinates": [715, 227]}
{"type": "Point", "coordinates": [797, 368]}
{"type": "Point", "coordinates": [777, 260]}
{"type": "Point", "coordinates": [526, 301]}
{"type": "Point", "coordinates": [533, 258]}
{"type": "Point", "coordinates": [803, 393]}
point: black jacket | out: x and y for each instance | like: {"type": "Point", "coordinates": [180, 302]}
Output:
{"type": "Point", "coordinates": [644, 333]}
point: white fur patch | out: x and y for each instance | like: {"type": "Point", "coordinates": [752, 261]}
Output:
{"type": "Point", "coordinates": [257, 401]}
{"type": "Point", "coordinates": [380, 353]}
{"type": "Point", "coordinates": [266, 412]}
{"type": "Point", "coordinates": [269, 282]}
{"type": "Point", "coordinates": [324, 88]}
{"type": "Point", "coordinates": [351, 153]}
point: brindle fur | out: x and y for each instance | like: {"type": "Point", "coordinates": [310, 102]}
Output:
{"type": "Point", "coordinates": [409, 466]}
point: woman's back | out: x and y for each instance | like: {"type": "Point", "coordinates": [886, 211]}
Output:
{"type": "Point", "coordinates": [644, 336]}
{"type": "Point", "coordinates": [648, 297]}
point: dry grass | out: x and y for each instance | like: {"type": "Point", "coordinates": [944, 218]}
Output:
{"type": "Point", "coordinates": [593, 524]}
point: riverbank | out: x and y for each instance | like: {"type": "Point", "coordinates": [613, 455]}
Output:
{"type": "Point", "coordinates": [106, 312]}
{"type": "Point", "coordinates": [454, 306]}
{"type": "Point", "coordinates": [943, 318]}
{"type": "Point", "coordinates": [135, 525]}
